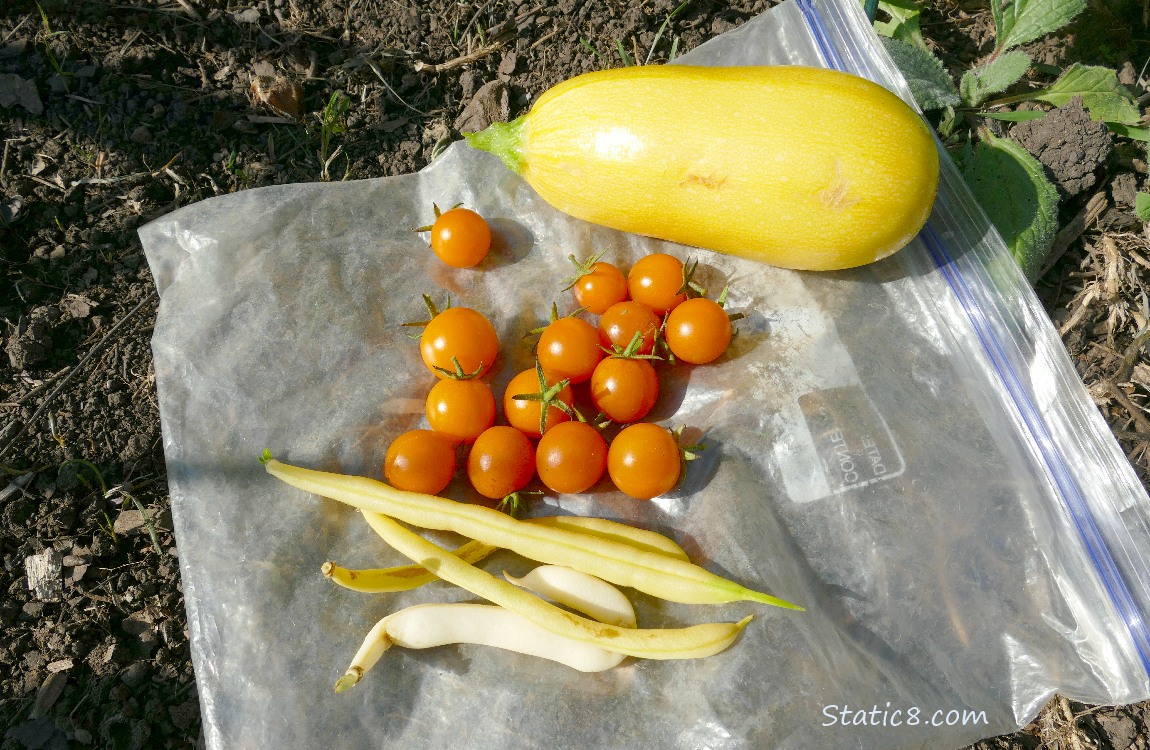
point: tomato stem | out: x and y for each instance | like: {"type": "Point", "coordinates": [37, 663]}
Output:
{"type": "Point", "coordinates": [432, 311]}
{"type": "Point", "coordinates": [513, 503]}
{"type": "Point", "coordinates": [548, 396]}
{"type": "Point", "coordinates": [690, 287]}
{"type": "Point", "coordinates": [457, 373]}
{"type": "Point", "coordinates": [688, 452]}
{"type": "Point", "coordinates": [631, 350]}
{"type": "Point", "coordinates": [583, 267]}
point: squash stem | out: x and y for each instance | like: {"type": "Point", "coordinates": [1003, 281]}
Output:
{"type": "Point", "coordinates": [505, 140]}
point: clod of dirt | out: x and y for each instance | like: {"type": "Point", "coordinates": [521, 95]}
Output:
{"type": "Point", "coordinates": [136, 673]}
{"type": "Point", "coordinates": [1122, 730]}
{"type": "Point", "coordinates": [142, 135]}
{"type": "Point", "coordinates": [76, 307]}
{"type": "Point", "coordinates": [184, 714]}
{"type": "Point", "coordinates": [491, 103]}
{"type": "Point", "coordinates": [1124, 190]}
{"type": "Point", "coordinates": [106, 657]}
{"type": "Point", "coordinates": [17, 90]}
{"type": "Point", "coordinates": [1069, 144]}
{"type": "Point", "coordinates": [40, 733]}
{"type": "Point", "coordinates": [1118, 220]}
{"type": "Point", "coordinates": [31, 342]}
{"type": "Point", "coordinates": [128, 520]}
{"type": "Point", "coordinates": [1121, 217]}
{"type": "Point", "coordinates": [507, 65]}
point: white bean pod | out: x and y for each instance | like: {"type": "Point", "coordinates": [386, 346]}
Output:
{"type": "Point", "coordinates": [430, 625]}
{"type": "Point", "coordinates": [581, 592]}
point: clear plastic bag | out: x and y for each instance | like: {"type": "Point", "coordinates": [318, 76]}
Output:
{"type": "Point", "coordinates": [905, 449]}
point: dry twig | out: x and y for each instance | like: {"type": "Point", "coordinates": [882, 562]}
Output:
{"type": "Point", "coordinates": [1072, 231]}
{"type": "Point", "coordinates": [497, 43]}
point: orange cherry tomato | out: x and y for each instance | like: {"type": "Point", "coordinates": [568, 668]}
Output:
{"type": "Point", "coordinates": [623, 320]}
{"type": "Point", "coordinates": [524, 415]}
{"type": "Point", "coordinates": [698, 331]}
{"type": "Point", "coordinates": [644, 460]}
{"type": "Point", "coordinates": [420, 461]}
{"type": "Point", "coordinates": [460, 409]}
{"type": "Point", "coordinates": [501, 462]}
{"type": "Point", "coordinates": [460, 238]}
{"type": "Point", "coordinates": [569, 348]}
{"type": "Point", "coordinates": [462, 333]}
{"type": "Point", "coordinates": [656, 281]}
{"type": "Point", "coordinates": [624, 389]}
{"type": "Point", "coordinates": [600, 288]}
{"type": "Point", "coordinates": [571, 457]}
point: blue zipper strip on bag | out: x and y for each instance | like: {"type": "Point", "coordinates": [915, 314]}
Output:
{"type": "Point", "coordinates": [1037, 430]}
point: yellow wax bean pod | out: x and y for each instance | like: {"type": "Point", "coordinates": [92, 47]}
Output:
{"type": "Point", "coordinates": [650, 541]}
{"type": "Point", "coordinates": [691, 642]}
{"type": "Point", "coordinates": [620, 563]}
{"type": "Point", "coordinates": [408, 577]}
{"type": "Point", "coordinates": [399, 578]}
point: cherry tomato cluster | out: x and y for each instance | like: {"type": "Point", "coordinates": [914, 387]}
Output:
{"type": "Point", "coordinates": [654, 313]}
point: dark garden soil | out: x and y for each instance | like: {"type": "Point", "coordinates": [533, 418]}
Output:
{"type": "Point", "coordinates": [114, 113]}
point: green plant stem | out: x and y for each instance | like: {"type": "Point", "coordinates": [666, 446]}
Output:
{"type": "Point", "coordinates": [1015, 99]}
{"type": "Point", "coordinates": [505, 140]}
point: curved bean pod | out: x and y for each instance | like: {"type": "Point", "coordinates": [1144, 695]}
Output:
{"type": "Point", "coordinates": [408, 577]}
{"type": "Point", "coordinates": [400, 578]}
{"type": "Point", "coordinates": [592, 596]}
{"type": "Point", "coordinates": [604, 528]}
{"type": "Point", "coordinates": [691, 642]}
{"type": "Point", "coordinates": [617, 562]}
{"type": "Point", "coordinates": [428, 625]}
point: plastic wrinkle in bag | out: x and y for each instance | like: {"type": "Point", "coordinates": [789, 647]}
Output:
{"type": "Point", "coordinates": [904, 449]}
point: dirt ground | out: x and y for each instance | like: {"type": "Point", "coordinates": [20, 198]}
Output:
{"type": "Point", "coordinates": [115, 113]}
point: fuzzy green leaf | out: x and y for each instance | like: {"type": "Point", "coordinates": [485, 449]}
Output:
{"type": "Point", "coordinates": [997, 75]}
{"type": "Point", "coordinates": [904, 22]}
{"type": "Point", "coordinates": [1142, 206]}
{"type": "Point", "coordinates": [1101, 93]}
{"type": "Point", "coordinates": [1020, 21]}
{"type": "Point", "coordinates": [925, 74]}
{"type": "Point", "coordinates": [1021, 202]}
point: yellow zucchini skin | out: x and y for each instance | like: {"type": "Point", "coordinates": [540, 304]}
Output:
{"type": "Point", "coordinates": [798, 167]}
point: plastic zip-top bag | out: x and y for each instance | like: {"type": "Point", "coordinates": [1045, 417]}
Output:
{"type": "Point", "coordinates": [904, 449]}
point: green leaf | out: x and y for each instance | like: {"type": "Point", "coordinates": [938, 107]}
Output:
{"type": "Point", "coordinates": [1021, 116]}
{"type": "Point", "coordinates": [1021, 202]}
{"type": "Point", "coordinates": [1020, 21]}
{"type": "Point", "coordinates": [1101, 93]}
{"type": "Point", "coordinates": [1137, 134]}
{"type": "Point", "coordinates": [948, 122]}
{"type": "Point", "coordinates": [998, 75]}
{"type": "Point", "coordinates": [904, 22]}
{"type": "Point", "coordinates": [627, 61]}
{"type": "Point", "coordinates": [925, 74]}
{"type": "Point", "coordinates": [1142, 206]}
